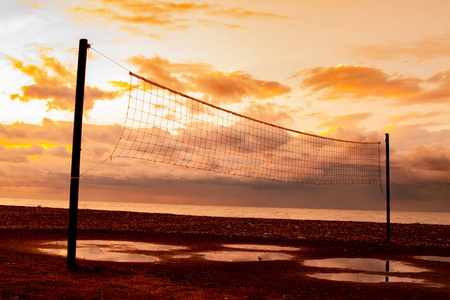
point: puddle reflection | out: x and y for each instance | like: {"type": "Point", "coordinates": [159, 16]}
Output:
{"type": "Point", "coordinates": [366, 264]}
{"type": "Point", "coordinates": [128, 251]}
{"type": "Point", "coordinates": [242, 256]}
{"type": "Point", "coordinates": [262, 247]}
{"type": "Point", "coordinates": [119, 251]}
{"type": "Point", "coordinates": [434, 258]}
{"type": "Point", "coordinates": [125, 245]}
{"type": "Point", "coordinates": [355, 277]}
{"type": "Point", "coordinates": [182, 256]}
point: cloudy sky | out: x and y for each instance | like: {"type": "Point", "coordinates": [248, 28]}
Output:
{"type": "Point", "coordinates": [352, 70]}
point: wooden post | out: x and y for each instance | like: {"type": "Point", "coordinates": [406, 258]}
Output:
{"type": "Point", "coordinates": [76, 149]}
{"type": "Point", "coordinates": [388, 193]}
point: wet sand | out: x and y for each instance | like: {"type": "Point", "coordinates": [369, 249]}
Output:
{"type": "Point", "coordinates": [29, 273]}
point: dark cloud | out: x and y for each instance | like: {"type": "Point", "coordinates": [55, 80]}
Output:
{"type": "Point", "coordinates": [425, 163]}
{"type": "Point", "coordinates": [270, 112]}
{"type": "Point", "coordinates": [12, 156]}
{"type": "Point", "coordinates": [407, 136]}
{"type": "Point", "coordinates": [49, 132]}
{"type": "Point", "coordinates": [54, 139]}
{"type": "Point", "coordinates": [419, 174]}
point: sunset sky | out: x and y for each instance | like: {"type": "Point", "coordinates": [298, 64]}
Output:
{"type": "Point", "coordinates": [352, 70]}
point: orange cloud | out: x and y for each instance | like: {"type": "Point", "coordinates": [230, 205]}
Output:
{"type": "Point", "coordinates": [415, 115]}
{"type": "Point", "coordinates": [30, 3]}
{"type": "Point", "coordinates": [54, 82]}
{"type": "Point", "coordinates": [440, 94]}
{"type": "Point", "coordinates": [353, 133]}
{"type": "Point", "coordinates": [139, 16]}
{"type": "Point", "coordinates": [232, 87]}
{"type": "Point", "coordinates": [426, 48]}
{"type": "Point", "coordinates": [216, 86]}
{"type": "Point", "coordinates": [345, 121]}
{"type": "Point", "coordinates": [238, 12]}
{"type": "Point", "coordinates": [358, 82]}
{"type": "Point", "coordinates": [167, 73]}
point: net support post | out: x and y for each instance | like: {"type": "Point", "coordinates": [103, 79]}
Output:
{"type": "Point", "coordinates": [76, 150]}
{"type": "Point", "coordinates": [388, 193]}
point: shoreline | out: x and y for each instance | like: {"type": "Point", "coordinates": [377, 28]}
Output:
{"type": "Point", "coordinates": [377, 216]}
{"type": "Point", "coordinates": [42, 218]}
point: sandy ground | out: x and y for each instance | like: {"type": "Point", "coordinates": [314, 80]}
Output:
{"type": "Point", "coordinates": [28, 273]}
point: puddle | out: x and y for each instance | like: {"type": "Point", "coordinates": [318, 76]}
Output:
{"type": "Point", "coordinates": [366, 264]}
{"type": "Point", "coordinates": [434, 258]}
{"type": "Point", "coordinates": [262, 247]}
{"type": "Point", "coordinates": [125, 245]}
{"type": "Point", "coordinates": [182, 256]}
{"type": "Point", "coordinates": [119, 251]}
{"type": "Point", "coordinates": [128, 251]}
{"type": "Point", "coordinates": [243, 256]}
{"type": "Point", "coordinates": [355, 277]}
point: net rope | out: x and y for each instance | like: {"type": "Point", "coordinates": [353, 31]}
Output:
{"type": "Point", "coordinates": [165, 126]}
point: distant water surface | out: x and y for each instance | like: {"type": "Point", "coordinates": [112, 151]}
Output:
{"type": "Point", "coordinates": [441, 218]}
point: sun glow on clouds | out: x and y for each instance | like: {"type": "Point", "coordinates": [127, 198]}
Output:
{"type": "Point", "coordinates": [358, 82]}
{"type": "Point", "coordinates": [216, 86]}
{"type": "Point", "coordinates": [44, 145]}
{"type": "Point", "coordinates": [144, 17]}
{"type": "Point", "coordinates": [53, 82]}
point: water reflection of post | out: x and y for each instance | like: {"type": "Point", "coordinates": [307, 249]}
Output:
{"type": "Point", "coordinates": [387, 270]}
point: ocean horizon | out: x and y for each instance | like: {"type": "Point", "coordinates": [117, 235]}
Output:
{"type": "Point", "coordinates": [405, 217]}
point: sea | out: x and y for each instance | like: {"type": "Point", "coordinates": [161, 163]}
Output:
{"type": "Point", "coordinates": [405, 217]}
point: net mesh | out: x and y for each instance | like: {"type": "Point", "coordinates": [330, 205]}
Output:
{"type": "Point", "coordinates": [166, 126]}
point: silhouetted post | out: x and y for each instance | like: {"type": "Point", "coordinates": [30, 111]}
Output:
{"type": "Point", "coordinates": [76, 149]}
{"type": "Point", "coordinates": [388, 193]}
{"type": "Point", "coordinates": [386, 279]}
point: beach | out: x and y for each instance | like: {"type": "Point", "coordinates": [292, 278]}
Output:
{"type": "Point", "coordinates": [27, 273]}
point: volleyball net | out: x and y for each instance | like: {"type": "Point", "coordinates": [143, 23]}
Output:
{"type": "Point", "coordinates": [165, 126]}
